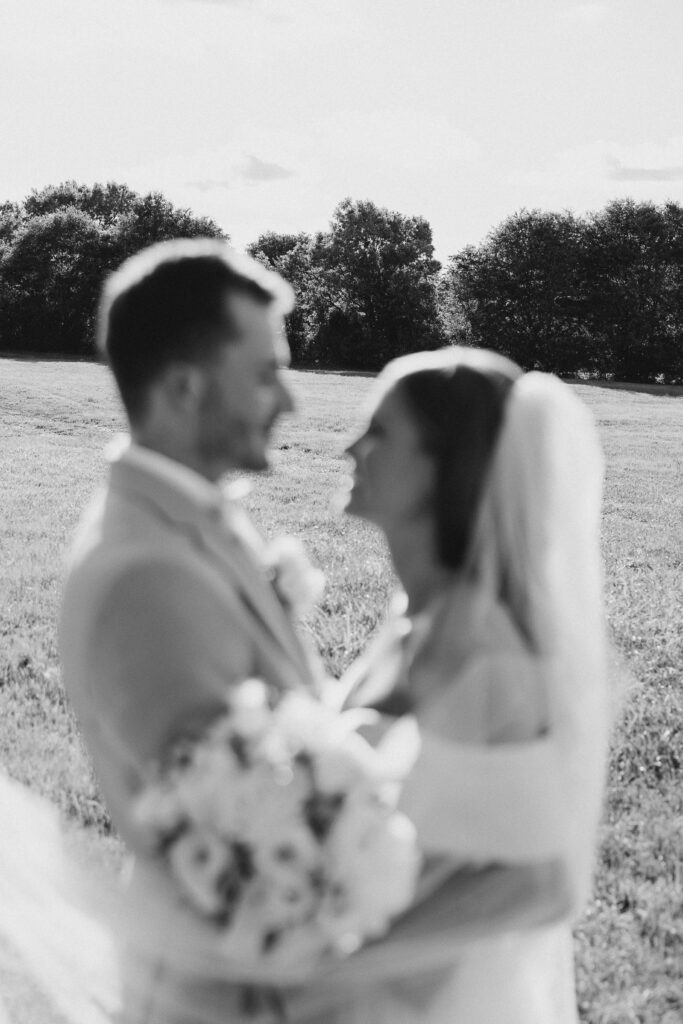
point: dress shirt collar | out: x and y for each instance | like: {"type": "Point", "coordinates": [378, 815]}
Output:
{"type": "Point", "coordinates": [188, 482]}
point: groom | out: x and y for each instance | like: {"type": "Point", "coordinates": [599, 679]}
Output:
{"type": "Point", "coordinates": [167, 600]}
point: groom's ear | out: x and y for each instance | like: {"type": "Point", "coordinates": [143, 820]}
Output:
{"type": "Point", "coordinates": [183, 386]}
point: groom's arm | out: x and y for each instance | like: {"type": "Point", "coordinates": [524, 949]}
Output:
{"type": "Point", "coordinates": [148, 651]}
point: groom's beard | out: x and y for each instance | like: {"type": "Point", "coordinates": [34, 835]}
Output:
{"type": "Point", "coordinates": [228, 440]}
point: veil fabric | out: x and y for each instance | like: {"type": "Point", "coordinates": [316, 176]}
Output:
{"type": "Point", "coordinates": [47, 934]}
{"type": "Point", "coordinates": [537, 544]}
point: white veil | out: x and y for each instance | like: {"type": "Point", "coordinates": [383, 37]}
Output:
{"type": "Point", "coordinates": [537, 544]}
{"type": "Point", "coordinates": [48, 936]}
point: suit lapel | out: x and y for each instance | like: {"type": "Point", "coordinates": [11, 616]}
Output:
{"type": "Point", "coordinates": [230, 543]}
{"type": "Point", "coordinates": [242, 563]}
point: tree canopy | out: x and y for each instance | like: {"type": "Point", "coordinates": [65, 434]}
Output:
{"type": "Point", "coordinates": [601, 294]}
{"type": "Point", "coordinates": [366, 289]}
{"type": "Point", "coordinates": [57, 247]}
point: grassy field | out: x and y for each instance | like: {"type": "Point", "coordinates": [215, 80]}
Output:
{"type": "Point", "coordinates": [55, 419]}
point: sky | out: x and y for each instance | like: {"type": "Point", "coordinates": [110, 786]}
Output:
{"type": "Point", "coordinates": [264, 114]}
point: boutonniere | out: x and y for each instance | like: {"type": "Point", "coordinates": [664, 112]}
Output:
{"type": "Point", "coordinates": [297, 583]}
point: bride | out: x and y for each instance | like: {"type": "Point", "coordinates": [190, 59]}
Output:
{"type": "Point", "coordinates": [486, 483]}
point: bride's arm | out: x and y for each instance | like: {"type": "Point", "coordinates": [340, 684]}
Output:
{"type": "Point", "coordinates": [488, 803]}
{"type": "Point", "coordinates": [471, 906]}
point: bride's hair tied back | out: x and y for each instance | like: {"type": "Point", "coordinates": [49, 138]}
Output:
{"type": "Point", "coordinates": [457, 397]}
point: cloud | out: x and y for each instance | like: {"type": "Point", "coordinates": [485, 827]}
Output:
{"type": "Point", "coordinates": [619, 172]}
{"type": "Point", "coordinates": [253, 171]}
{"type": "Point", "coordinates": [609, 161]}
{"type": "Point", "coordinates": [256, 170]}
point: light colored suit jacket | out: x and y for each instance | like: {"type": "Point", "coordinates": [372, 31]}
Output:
{"type": "Point", "coordinates": [164, 606]}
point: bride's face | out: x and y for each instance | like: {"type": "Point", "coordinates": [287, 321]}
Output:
{"type": "Point", "coordinates": [393, 479]}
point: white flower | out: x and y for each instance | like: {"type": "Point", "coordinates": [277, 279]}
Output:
{"type": "Point", "coordinates": [297, 583]}
{"type": "Point", "coordinates": [288, 867]}
{"type": "Point", "coordinates": [249, 715]}
{"type": "Point", "coordinates": [265, 807]}
{"type": "Point", "coordinates": [199, 860]}
{"type": "Point", "coordinates": [373, 865]}
{"type": "Point", "coordinates": [346, 765]}
{"type": "Point", "coordinates": [207, 785]}
{"type": "Point", "coordinates": [157, 809]}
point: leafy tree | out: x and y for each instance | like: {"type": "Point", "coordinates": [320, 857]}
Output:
{"type": "Point", "coordinates": [377, 286]}
{"type": "Point", "coordinates": [106, 204]}
{"type": "Point", "coordinates": [152, 218]}
{"type": "Point", "coordinates": [134, 220]}
{"type": "Point", "coordinates": [633, 268]}
{"type": "Point", "coordinates": [273, 246]}
{"type": "Point", "coordinates": [522, 292]}
{"type": "Point", "coordinates": [57, 247]}
{"type": "Point", "coordinates": [603, 294]}
{"type": "Point", "coordinates": [51, 278]}
{"type": "Point", "coordinates": [292, 257]}
{"type": "Point", "coordinates": [453, 315]}
{"type": "Point", "coordinates": [10, 221]}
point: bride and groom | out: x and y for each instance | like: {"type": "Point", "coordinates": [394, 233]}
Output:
{"type": "Point", "coordinates": [470, 469]}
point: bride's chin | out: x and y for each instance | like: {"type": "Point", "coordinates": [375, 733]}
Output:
{"type": "Point", "coordinates": [342, 500]}
{"type": "Point", "coordinates": [353, 507]}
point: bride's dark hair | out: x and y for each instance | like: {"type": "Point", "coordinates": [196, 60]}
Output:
{"type": "Point", "coordinates": [458, 402]}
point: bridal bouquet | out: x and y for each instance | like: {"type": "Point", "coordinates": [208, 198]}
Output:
{"type": "Point", "coordinates": [279, 826]}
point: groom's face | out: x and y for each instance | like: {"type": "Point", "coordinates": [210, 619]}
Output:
{"type": "Point", "coordinates": [244, 392]}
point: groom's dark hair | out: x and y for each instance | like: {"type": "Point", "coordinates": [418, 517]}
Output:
{"type": "Point", "coordinates": [459, 409]}
{"type": "Point", "coordinates": [167, 304]}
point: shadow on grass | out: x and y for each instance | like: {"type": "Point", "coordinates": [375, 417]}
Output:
{"type": "Point", "coordinates": [330, 372]}
{"type": "Point", "coordinates": [659, 390]}
{"type": "Point", "coordinates": [48, 357]}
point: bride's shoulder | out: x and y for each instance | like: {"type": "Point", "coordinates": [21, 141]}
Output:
{"type": "Point", "coordinates": [494, 691]}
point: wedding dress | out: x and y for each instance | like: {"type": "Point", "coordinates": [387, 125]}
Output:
{"type": "Point", "coordinates": [488, 789]}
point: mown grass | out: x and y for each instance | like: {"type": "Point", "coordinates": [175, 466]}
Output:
{"type": "Point", "coordinates": [55, 419]}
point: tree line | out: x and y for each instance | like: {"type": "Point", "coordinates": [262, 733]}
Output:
{"type": "Point", "coordinates": [600, 295]}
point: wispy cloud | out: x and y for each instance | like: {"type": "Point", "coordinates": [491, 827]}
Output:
{"type": "Point", "coordinates": [261, 170]}
{"type": "Point", "coordinates": [620, 172]}
{"type": "Point", "coordinates": [252, 171]}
